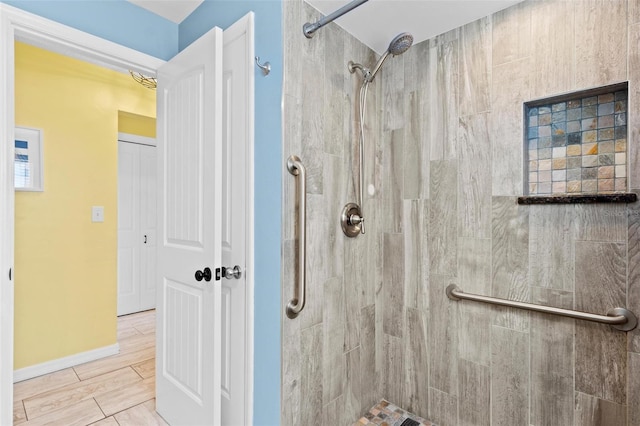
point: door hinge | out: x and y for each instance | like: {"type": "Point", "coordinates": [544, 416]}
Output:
{"type": "Point", "coordinates": [218, 274]}
{"type": "Point", "coordinates": [10, 269]}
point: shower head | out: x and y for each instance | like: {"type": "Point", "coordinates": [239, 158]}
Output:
{"type": "Point", "coordinates": [400, 44]}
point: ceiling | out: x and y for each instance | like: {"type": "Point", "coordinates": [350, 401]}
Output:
{"type": "Point", "coordinates": [173, 10]}
{"type": "Point", "coordinates": [376, 22]}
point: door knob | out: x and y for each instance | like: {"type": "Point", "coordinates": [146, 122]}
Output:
{"type": "Point", "coordinates": [234, 272]}
{"type": "Point", "coordinates": [204, 274]}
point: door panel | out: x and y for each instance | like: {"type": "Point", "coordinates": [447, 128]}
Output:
{"type": "Point", "coordinates": [189, 124]}
{"type": "Point", "coordinates": [237, 82]}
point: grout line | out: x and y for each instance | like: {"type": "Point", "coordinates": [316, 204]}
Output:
{"type": "Point", "coordinates": [26, 416]}
{"type": "Point", "coordinates": [128, 408]}
{"type": "Point", "coordinates": [101, 410]}
{"type": "Point", "coordinates": [76, 373]}
{"type": "Point", "coordinates": [136, 371]}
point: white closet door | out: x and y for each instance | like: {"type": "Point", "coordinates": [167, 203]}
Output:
{"type": "Point", "coordinates": [128, 229]}
{"type": "Point", "coordinates": [148, 219]}
{"type": "Point", "coordinates": [137, 166]}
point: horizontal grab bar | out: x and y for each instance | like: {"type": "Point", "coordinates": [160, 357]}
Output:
{"type": "Point", "coordinates": [619, 318]}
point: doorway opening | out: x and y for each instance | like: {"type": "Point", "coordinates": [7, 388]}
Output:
{"type": "Point", "coordinates": [44, 33]}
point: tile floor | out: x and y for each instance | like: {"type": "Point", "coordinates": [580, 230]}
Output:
{"type": "Point", "coordinates": [385, 413]}
{"type": "Point", "coordinates": [118, 390]}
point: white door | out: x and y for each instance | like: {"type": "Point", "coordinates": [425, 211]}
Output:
{"type": "Point", "coordinates": [137, 214]}
{"type": "Point", "coordinates": [237, 84]}
{"type": "Point", "coordinates": [148, 226]}
{"type": "Point", "coordinates": [189, 135]}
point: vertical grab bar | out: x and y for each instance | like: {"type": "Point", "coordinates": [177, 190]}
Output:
{"type": "Point", "coordinates": [295, 305]}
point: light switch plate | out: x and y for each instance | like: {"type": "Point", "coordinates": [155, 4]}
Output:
{"type": "Point", "coordinates": [97, 214]}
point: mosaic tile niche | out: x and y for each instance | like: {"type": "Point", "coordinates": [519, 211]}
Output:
{"type": "Point", "coordinates": [577, 144]}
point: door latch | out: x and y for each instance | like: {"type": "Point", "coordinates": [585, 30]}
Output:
{"type": "Point", "coordinates": [230, 273]}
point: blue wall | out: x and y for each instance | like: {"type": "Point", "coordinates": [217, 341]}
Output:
{"type": "Point", "coordinates": [268, 192]}
{"type": "Point", "coordinates": [124, 23]}
{"type": "Point", "coordinates": [115, 20]}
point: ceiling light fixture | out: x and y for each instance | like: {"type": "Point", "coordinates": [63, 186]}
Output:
{"type": "Point", "coordinates": [148, 82]}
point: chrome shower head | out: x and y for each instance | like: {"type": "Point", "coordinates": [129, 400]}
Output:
{"type": "Point", "coordinates": [400, 44]}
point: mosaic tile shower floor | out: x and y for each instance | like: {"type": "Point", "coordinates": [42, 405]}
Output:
{"type": "Point", "coordinates": [385, 413]}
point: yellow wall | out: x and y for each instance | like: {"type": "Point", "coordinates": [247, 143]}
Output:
{"type": "Point", "coordinates": [136, 124]}
{"type": "Point", "coordinates": [65, 265]}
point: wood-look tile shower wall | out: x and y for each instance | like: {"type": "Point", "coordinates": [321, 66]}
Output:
{"type": "Point", "coordinates": [445, 158]}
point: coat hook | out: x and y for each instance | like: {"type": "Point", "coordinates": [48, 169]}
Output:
{"type": "Point", "coordinates": [266, 67]}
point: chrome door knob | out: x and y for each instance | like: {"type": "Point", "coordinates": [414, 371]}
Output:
{"type": "Point", "coordinates": [230, 273]}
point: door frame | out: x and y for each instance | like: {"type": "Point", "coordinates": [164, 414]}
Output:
{"type": "Point", "coordinates": [19, 25]}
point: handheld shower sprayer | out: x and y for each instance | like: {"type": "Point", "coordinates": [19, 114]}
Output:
{"type": "Point", "coordinates": [400, 44]}
{"type": "Point", "coordinates": [352, 217]}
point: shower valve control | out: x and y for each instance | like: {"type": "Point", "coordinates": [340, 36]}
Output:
{"type": "Point", "coordinates": [356, 219]}
{"type": "Point", "coordinates": [352, 220]}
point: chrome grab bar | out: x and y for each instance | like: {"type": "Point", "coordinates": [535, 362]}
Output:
{"type": "Point", "coordinates": [619, 318]}
{"type": "Point", "coordinates": [295, 305]}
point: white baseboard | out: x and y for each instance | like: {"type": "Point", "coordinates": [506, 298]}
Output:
{"type": "Point", "coordinates": [62, 363]}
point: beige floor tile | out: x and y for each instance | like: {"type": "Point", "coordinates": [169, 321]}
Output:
{"type": "Point", "coordinates": [37, 385]}
{"type": "Point", "coordinates": [137, 342]}
{"type": "Point", "coordinates": [146, 369]}
{"type": "Point", "coordinates": [56, 399]}
{"type": "Point", "coordinates": [126, 332]}
{"type": "Point", "coordinates": [80, 414]}
{"type": "Point", "coordinates": [19, 416]}
{"type": "Point", "coordinates": [112, 363]}
{"type": "Point", "coordinates": [109, 421]}
{"type": "Point", "coordinates": [133, 320]}
{"type": "Point", "coordinates": [61, 398]}
{"type": "Point", "coordinates": [143, 414]}
{"type": "Point", "coordinates": [127, 396]}
{"type": "Point", "coordinates": [146, 328]}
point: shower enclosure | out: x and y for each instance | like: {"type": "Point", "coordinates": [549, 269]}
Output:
{"type": "Point", "coordinates": [444, 167]}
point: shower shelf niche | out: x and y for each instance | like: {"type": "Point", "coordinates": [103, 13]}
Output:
{"type": "Point", "coordinates": [576, 148]}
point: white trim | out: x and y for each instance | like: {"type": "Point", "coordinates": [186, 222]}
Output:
{"type": "Point", "coordinates": [59, 38]}
{"type": "Point", "coordinates": [65, 362]}
{"type": "Point", "coordinates": [16, 24]}
{"type": "Point", "coordinates": [250, 217]}
{"type": "Point", "coordinates": [142, 140]}
{"type": "Point", "coordinates": [7, 124]}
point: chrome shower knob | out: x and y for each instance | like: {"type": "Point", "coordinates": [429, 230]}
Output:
{"type": "Point", "coordinates": [351, 220]}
